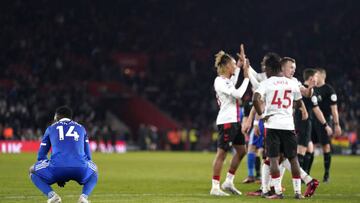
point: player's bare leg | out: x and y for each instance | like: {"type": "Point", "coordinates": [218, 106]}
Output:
{"type": "Point", "coordinates": [327, 162]}
{"type": "Point", "coordinates": [237, 157]}
{"type": "Point", "coordinates": [217, 166]}
{"type": "Point", "coordinates": [240, 151]}
{"type": "Point", "coordinates": [218, 161]}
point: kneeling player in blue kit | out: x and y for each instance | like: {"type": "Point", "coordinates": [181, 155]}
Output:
{"type": "Point", "coordinates": [70, 158]}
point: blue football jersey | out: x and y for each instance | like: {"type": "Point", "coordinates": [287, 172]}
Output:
{"type": "Point", "coordinates": [69, 144]}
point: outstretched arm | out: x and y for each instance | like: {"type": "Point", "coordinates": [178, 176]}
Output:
{"type": "Point", "coordinates": [254, 82]}
{"type": "Point", "coordinates": [237, 76]}
{"type": "Point", "coordinates": [306, 92]}
{"type": "Point", "coordinates": [245, 66]}
{"type": "Point", "coordinates": [239, 93]}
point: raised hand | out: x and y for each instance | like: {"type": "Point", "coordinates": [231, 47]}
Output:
{"type": "Point", "coordinates": [246, 64]}
{"type": "Point", "coordinates": [241, 56]}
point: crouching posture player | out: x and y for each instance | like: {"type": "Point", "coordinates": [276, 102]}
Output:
{"type": "Point", "coordinates": [279, 94]}
{"type": "Point", "coordinates": [230, 135]}
{"type": "Point", "coordinates": [70, 158]}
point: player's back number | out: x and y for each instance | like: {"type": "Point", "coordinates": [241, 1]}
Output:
{"type": "Point", "coordinates": [70, 133]}
{"type": "Point", "coordinates": [284, 102]}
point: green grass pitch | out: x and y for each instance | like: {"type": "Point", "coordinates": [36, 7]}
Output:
{"type": "Point", "coordinates": [169, 177]}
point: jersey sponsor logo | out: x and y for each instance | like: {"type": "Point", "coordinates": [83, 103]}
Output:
{"type": "Point", "coordinates": [333, 97]}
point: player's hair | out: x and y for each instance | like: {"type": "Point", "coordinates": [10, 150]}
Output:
{"type": "Point", "coordinates": [64, 112]}
{"type": "Point", "coordinates": [321, 70]}
{"type": "Point", "coordinates": [309, 72]}
{"type": "Point", "coordinates": [272, 61]}
{"type": "Point", "coordinates": [221, 59]}
{"type": "Point", "coordinates": [286, 59]}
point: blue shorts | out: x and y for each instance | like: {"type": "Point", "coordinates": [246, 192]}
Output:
{"type": "Point", "coordinates": [52, 174]}
{"type": "Point", "coordinates": [258, 141]}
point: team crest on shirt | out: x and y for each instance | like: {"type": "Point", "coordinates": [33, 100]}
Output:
{"type": "Point", "coordinates": [319, 98]}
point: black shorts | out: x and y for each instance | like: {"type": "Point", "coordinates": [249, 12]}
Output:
{"type": "Point", "coordinates": [319, 135]}
{"type": "Point", "coordinates": [230, 134]}
{"type": "Point", "coordinates": [280, 141]}
{"type": "Point", "coordinates": [303, 131]}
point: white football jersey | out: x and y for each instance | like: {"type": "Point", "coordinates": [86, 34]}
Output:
{"type": "Point", "coordinates": [279, 94]}
{"type": "Point", "coordinates": [235, 77]}
{"type": "Point", "coordinates": [256, 78]}
{"type": "Point", "coordinates": [229, 108]}
{"type": "Point", "coordinates": [261, 76]}
{"type": "Point", "coordinates": [297, 82]}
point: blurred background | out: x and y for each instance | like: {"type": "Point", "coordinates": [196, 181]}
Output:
{"type": "Point", "coordinates": [139, 74]}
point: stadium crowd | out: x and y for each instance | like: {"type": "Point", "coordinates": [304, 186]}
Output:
{"type": "Point", "coordinates": [52, 50]}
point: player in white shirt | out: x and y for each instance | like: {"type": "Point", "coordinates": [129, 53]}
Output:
{"type": "Point", "coordinates": [230, 135]}
{"type": "Point", "coordinates": [279, 94]}
{"type": "Point", "coordinates": [288, 69]}
{"type": "Point", "coordinates": [288, 66]}
{"type": "Point", "coordinates": [256, 134]}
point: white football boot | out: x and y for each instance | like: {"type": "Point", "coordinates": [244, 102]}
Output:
{"type": "Point", "coordinates": [230, 187]}
{"type": "Point", "coordinates": [82, 199]}
{"type": "Point", "coordinates": [218, 192]}
{"type": "Point", "coordinates": [54, 199]}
